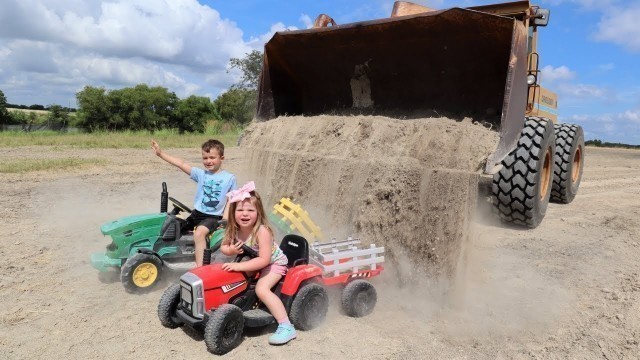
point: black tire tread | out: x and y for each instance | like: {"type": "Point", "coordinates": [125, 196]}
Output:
{"type": "Point", "coordinates": [213, 331]}
{"type": "Point", "coordinates": [297, 313]}
{"type": "Point", "coordinates": [126, 272]}
{"type": "Point", "coordinates": [350, 294]}
{"type": "Point", "coordinates": [515, 186]}
{"type": "Point", "coordinates": [168, 305]}
{"type": "Point", "coordinates": [568, 137]}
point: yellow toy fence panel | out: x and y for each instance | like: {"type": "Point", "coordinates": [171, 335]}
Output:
{"type": "Point", "coordinates": [298, 219]}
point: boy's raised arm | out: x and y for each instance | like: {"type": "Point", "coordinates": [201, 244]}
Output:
{"type": "Point", "coordinates": [175, 161]}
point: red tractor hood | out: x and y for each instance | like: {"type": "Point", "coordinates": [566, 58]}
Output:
{"type": "Point", "coordinates": [213, 276]}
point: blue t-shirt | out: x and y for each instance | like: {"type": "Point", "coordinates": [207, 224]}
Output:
{"type": "Point", "coordinates": [211, 196]}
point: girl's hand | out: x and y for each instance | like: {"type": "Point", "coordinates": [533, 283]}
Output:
{"type": "Point", "coordinates": [156, 147]}
{"type": "Point", "coordinates": [236, 247]}
{"type": "Point", "coordinates": [230, 267]}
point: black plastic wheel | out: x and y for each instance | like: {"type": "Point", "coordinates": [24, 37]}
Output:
{"type": "Point", "coordinates": [168, 305]}
{"type": "Point", "coordinates": [223, 331]}
{"type": "Point", "coordinates": [567, 163]}
{"type": "Point", "coordinates": [309, 307]}
{"type": "Point", "coordinates": [521, 189]}
{"type": "Point", "coordinates": [141, 272]}
{"type": "Point", "coordinates": [359, 298]}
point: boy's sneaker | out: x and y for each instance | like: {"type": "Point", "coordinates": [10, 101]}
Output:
{"type": "Point", "coordinates": [284, 334]}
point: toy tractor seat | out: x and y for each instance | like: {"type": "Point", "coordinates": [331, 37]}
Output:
{"type": "Point", "coordinates": [296, 248]}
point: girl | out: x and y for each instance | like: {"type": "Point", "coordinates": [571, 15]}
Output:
{"type": "Point", "coordinates": [250, 226]}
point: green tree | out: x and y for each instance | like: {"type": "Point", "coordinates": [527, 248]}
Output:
{"type": "Point", "coordinates": [239, 102]}
{"type": "Point", "coordinates": [58, 117]}
{"type": "Point", "coordinates": [237, 105]}
{"type": "Point", "coordinates": [250, 66]}
{"type": "Point", "coordinates": [137, 108]}
{"type": "Point", "coordinates": [93, 111]}
{"type": "Point", "coordinates": [191, 114]}
{"type": "Point", "coordinates": [5, 117]}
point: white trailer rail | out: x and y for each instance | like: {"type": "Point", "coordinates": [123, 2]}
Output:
{"type": "Point", "coordinates": [338, 257]}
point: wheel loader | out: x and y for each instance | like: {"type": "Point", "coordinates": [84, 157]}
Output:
{"type": "Point", "coordinates": [479, 62]}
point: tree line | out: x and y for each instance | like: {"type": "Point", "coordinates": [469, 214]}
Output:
{"type": "Point", "coordinates": [149, 108]}
{"type": "Point", "coordinates": [600, 143]}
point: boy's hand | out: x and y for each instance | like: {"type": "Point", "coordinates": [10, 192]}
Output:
{"type": "Point", "coordinates": [156, 147]}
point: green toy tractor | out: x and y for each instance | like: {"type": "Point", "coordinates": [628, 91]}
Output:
{"type": "Point", "coordinates": [143, 246]}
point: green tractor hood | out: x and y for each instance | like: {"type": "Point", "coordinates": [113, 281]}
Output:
{"type": "Point", "coordinates": [134, 226]}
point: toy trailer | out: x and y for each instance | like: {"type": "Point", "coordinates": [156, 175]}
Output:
{"type": "Point", "coordinates": [343, 260]}
{"type": "Point", "coordinates": [343, 263]}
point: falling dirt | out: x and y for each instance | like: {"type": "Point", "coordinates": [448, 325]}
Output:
{"type": "Point", "coordinates": [409, 185]}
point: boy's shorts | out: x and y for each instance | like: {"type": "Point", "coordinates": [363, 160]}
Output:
{"type": "Point", "coordinates": [198, 218]}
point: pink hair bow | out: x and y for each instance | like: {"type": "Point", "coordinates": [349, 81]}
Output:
{"type": "Point", "coordinates": [242, 193]}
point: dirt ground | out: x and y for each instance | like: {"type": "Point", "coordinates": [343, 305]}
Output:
{"type": "Point", "coordinates": [569, 289]}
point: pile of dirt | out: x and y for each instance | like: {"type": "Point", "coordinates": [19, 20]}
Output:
{"type": "Point", "coordinates": [409, 185]}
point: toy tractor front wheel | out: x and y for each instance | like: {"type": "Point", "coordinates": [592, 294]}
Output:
{"type": "Point", "coordinates": [168, 306]}
{"type": "Point", "coordinates": [141, 272]}
{"type": "Point", "coordinates": [359, 298]}
{"type": "Point", "coordinates": [309, 307]}
{"type": "Point", "coordinates": [224, 328]}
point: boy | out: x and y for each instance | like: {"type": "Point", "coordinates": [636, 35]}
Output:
{"type": "Point", "coordinates": [211, 197]}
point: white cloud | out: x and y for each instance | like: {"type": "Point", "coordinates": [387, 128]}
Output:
{"type": "Point", "coordinates": [606, 67]}
{"type": "Point", "coordinates": [619, 21]}
{"type": "Point", "coordinates": [582, 91]}
{"type": "Point", "coordinates": [170, 43]}
{"type": "Point", "coordinates": [632, 115]}
{"type": "Point", "coordinates": [258, 43]}
{"type": "Point", "coordinates": [620, 26]}
{"type": "Point", "coordinates": [615, 127]}
{"type": "Point", "coordinates": [553, 75]}
{"type": "Point", "coordinates": [306, 20]}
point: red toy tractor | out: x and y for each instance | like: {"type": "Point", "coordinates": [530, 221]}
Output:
{"type": "Point", "coordinates": [222, 303]}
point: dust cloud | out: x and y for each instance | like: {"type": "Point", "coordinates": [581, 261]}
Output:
{"type": "Point", "coordinates": [412, 187]}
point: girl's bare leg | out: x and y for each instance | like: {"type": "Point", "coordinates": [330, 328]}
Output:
{"type": "Point", "coordinates": [271, 300]}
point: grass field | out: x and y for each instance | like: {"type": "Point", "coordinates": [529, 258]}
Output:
{"type": "Point", "coordinates": [24, 166]}
{"type": "Point", "coordinates": [38, 112]}
{"type": "Point", "coordinates": [115, 140]}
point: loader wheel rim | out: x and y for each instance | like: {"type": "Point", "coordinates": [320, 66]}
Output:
{"type": "Point", "coordinates": [545, 177]}
{"type": "Point", "coordinates": [145, 275]}
{"type": "Point", "coordinates": [577, 164]}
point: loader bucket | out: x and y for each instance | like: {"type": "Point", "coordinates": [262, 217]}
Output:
{"type": "Point", "coordinates": [455, 63]}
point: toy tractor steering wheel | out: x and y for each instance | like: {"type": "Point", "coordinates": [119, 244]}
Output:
{"type": "Point", "coordinates": [246, 251]}
{"type": "Point", "coordinates": [178, 205]}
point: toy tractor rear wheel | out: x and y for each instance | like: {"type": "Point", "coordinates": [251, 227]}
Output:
{"type": "Point", "coordinates": [141, 272]}
{"type": "Point", "coordinates": [359, 298]}
{"type": "Point", "coordinates": [224, 328]}
{"type": "Point", "coordinates": [309, 307]}
{"type": "Point", "coordinates": [168, 306]}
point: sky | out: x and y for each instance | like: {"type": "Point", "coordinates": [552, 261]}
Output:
{"type": "Point", "coordinates": [51, 49]}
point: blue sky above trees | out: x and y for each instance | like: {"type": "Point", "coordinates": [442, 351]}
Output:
{"type": "Point", "coordinates": [50, 49]}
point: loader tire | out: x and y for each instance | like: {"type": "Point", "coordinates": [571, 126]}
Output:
{"type": "Point", "coordinates": [567, 163]}
{"type": "Point", "coordinates": [522, 188]}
